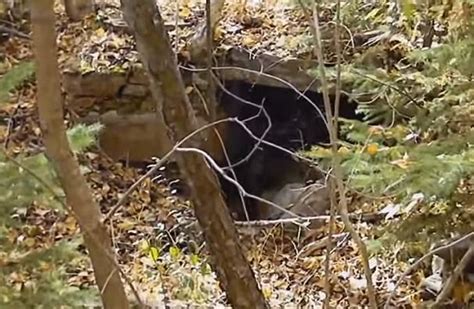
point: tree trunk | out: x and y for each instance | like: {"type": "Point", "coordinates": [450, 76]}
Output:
{"type": "Point", "coordinates": [198, 45]}
{"type": "Point", "coordinates": [168, 90]}
{"type": "Point", "coordinates": [78, 9]}
{"type": "Point", "coordinates": [78, 195]}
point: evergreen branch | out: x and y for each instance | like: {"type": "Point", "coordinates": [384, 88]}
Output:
{"type": "Point", "coordinates": [64, 204]}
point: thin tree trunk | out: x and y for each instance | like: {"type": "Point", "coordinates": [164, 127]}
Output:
{"type": "Point", "coordinates": [78, 194]}
{"type": "Point", "coordinates": [198, 44]}
{"type": "Point", "coordinates": [168, 90]}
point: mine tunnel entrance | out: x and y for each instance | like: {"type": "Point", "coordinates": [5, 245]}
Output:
{"type": "Point", "coordinates": [277, 115]}
{"type": "Point", "coordinates": [134, 133]}
{"type": "Point", "coordinates": [288, 120]}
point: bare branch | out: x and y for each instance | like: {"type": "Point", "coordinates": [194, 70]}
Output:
{"type": "Point", "coordinates": [336, 162]}
{"type": "Point", "coordinates": [423, 258]}
{"type": "Point", "coordinates": [14, 32]}
{"type": "Point", "coordinates": [365, 217]}
{"type": "Point", "coordinates": [332, 183]}
{"type": "Point", "coordinates": [216, 167]}
{"type": "Point", "coordinates": [158, 164]}
{"type": "Point", "coordinates": [284, 82]}
{"type": "Point", "coordinates": [261, 109]}
{"type": "Point", "coordinates": [449, 285]}
{"type": "Point", "coordinates": [224, 149]}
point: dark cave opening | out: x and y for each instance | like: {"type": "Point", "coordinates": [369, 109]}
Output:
{"type": "Point", "coordinates": [295, 125]}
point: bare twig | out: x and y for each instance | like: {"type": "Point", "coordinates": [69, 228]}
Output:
{"type": "Point", "coordinates": [158, 164]}
{"type": "Point", "coordinates": [337, 165]}
{"type": "Point", "coordinates": [332, 183]}
{"type": "Point", "coordinates": [176, 30]}
{"type": "Point", "coordinates": [366, 217]}
{"type": "Point", "coordinates": [14, 32]}
{"type": "Point", "coordinates": [423, 258]}
{"type": "Point", "coordinates": [224, 151]}
{"type": "Point", "coordinates": [320, 244]}
{"type": "Point", "coordinates": [261, 109]}
{"type": "Point", "coordinates": [448, 287]}
{"type": "Point", "coordinates": [216, 167]}
{"type": "Point", "coordinates": [210, 82]}
{"type": "Point", "coordinates": [284, 82]}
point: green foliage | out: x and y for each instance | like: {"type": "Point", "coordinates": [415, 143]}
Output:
{"type": "Point", "coordinates": [434, 169]}
{"type": "Point", "coordinates": [44, 285]}
{"type": "Point", "coordinates": [19, 189]}
{"type": "Point", "coordinates": [24, 182]}
{"type": "Point", "coordinates": [34, 276]}
{"type": "Point", "coordinates": [82, 136]}
{"type": "Point", "coordinates": [422, 103]}
{"type": "Point", "coordinates": [458, 56]}
{"type": "Point", "coordinates": [14, 78]}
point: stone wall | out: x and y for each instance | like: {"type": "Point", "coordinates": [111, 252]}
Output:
{"type": "Point", "coordinates": [98, 93]}
{"type": "Point", "coordinates": [123, 103]}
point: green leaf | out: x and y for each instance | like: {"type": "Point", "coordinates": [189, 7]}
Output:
{"type": "Point", "coordinates": [408, 9]}
{"type": "Point", "coordinates": [154, 253]}
{"type": "Point", "coordinates": [195, 260]}
{"type": "Point", "coordinates": [175, 253]}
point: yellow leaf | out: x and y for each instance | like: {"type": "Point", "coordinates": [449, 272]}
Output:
{"type": "Point", "coordinates": [319, 152]}
{"type": "Point", "coordinates": [184, 12]}
{"type": "Point", "coordinates": [462, 291]}
{"type": "Point", "coordinates": [248, 41]}
{"type": "Point", "coordinates": [372, 149]}
{"type": "Point", "coordinates": [154, 253]}
{"type": "Point", "coordinates": [143, 246]}
{"type": "Point", "coordinates": [344, 150]}
{"type": "Point", "coordinates": [175, 253]}
{"type": "Point", "coordinates": [195, 259]}
{"type": "Point", "coordinates": [267, 293]}
{"type": "Point", "coordinates": [126, 225]}
{"type": "Point", "coordinates": [402, 163]}
{"type": "Point", "coordinates": [375, 130]}
{"type": "Point", "coordinates": [189, 89]}
{"type": "Point", "coordinates": [100, 32]}
{"type": "Point", "coordinates": [218, 32]}
{"type": "Point", "coordinates": [70, 223]}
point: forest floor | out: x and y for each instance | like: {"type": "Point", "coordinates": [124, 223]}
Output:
{"type": "Point", "coordinates": [152, 232]}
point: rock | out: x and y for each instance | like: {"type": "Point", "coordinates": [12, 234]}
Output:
{"type": "Point", "coordinates": [95, 84]}
{"type": "Point", "coordinates": [132, 90]}
{"type": "Point", "coordinates": [453, 255]}
{"type": "Point", "coordinates": [132, 137]}
{"type": "Point", "coordinates": [302, 200]}
{"type": "Point", "coordinates": [138, 76]}
{"type": "Point", "coordinates": [79, 104]}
